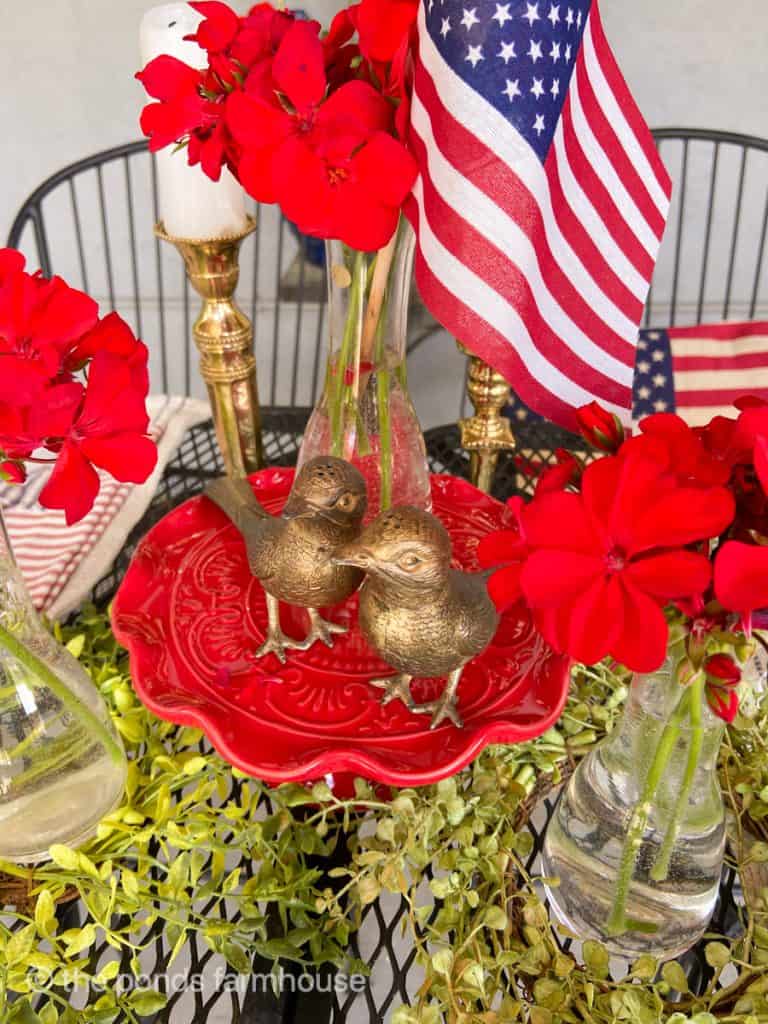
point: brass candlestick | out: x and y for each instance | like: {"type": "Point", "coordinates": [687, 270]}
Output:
{"type": "Point", "coordinates": [224, 337]}
{"type": "Point", "coordinates": [486, 433]}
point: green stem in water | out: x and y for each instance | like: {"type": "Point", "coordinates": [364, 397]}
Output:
{"type": "Point", "coordinates": [617, 923]}
{"type": "Point", "coordinates": [73, 703]}
{"type": "Point", "coordinates": [660, 869]}
{"type": "Point", "coordinates": [350, 338]}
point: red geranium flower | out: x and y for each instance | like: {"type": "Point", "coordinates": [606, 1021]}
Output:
{"type": "Point", "coordinates": [219, 27]}
{"type": "Point", "coordinates": [332, 166]}
{"type": "Point", "coordinates": [603, 563]}
{"type": "Point", "coordinates": [104, 425]}
{"type": "Point", "coordinates": [677, 446]}
{"type": "Point", "coordinates": [39, 320]}
{"type": "Point", "coordinates": [180, 108]}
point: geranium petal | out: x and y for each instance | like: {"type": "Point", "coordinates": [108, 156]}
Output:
{"type": "Point", "coordinates": [386, 168]}
{"type": "Point", "coordinates": [741, 576]}
{"type": "Point", "coordinates": [504, 587]}
{"type": "Point", "coordinates": [558, 520]}
{"type": "Point", "coordinates": [356, 109]}
{"type": "Point", "coordinates": [679, 517]}
{"type": "Point", "coordinates": [553, 577]}
{"type": "Point", "coordinates": [641, 645]}
{"type": "Point", "coordinates": [358, 219]}
{"type": "Point", "coordinates": [597, 618]}
{"type": "Point", "coordinates": [165, 78]}
{"type": "Point", "coordinates": [11, 262]}
{"type": "Point", "coordinates": [500, 547]}
{"type": "Point", "coordinates": [73, 485]}
{"type": "Point", "coordinates": [220, 26]}
{"type": "Point", "coordinates": [674, 574]}
{"type": "Point", "coordinates": [256, 123]}
{"type": "Point", "coordinates": [53, 415]}
{"type": "Point", "coordinates": [298, 68]}
{"type": "Point", "coordinates": [302, 187]}
{"type": "Point", "coordinates": [129, 458]}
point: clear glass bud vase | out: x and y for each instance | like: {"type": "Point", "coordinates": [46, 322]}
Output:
{"type": "Point", "coordinates": [62, 765]}
{"type": "Point", "coordinates": [365, 414]}
{"type": "Point", "coordinates": [638, 837]}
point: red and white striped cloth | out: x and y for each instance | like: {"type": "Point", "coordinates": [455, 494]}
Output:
{"type": "Point", "coordinates": [60, 563]}
{"type": "Point", "coordinates": [541, 201]}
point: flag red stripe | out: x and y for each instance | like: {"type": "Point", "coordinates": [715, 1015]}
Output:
{"type": "Point", "coordinates": [721, 332]}
{"type": "Point", "coordinates": [496, 180]}
{"type": "Point", "coordinates": [724, 396]}
{"type": "Point", "coordinates": [745, 361]}
{"type": "Point", "coordinates": [616, 153]}
{"type": "Point", "coordinates": [600, 197]}
{"type": "Point", "coordinates": [626, 100]}
{"type": "Point", "coordinates": [494, 267]}
{"type": "Point", "coordinates": [470, 328]}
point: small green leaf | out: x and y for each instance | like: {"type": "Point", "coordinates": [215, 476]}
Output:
{"type": "Point", "coordinates": [596, 958]}
{"type": "Point", "coordinates": [65, 857]}
{"type": "Point", "coordinates": [146, 1001]}
{"type": "Point", "coordinates": [674, 975]}
{"type": "Point", "coordinates": [496, 918]}
{"type": "Point", "coordinates": [45, 914]}
{"type": "Point", "coordinates": [442, 961]}
{"type": "Point", "coordinates": [717, 954]}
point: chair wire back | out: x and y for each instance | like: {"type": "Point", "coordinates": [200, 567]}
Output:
{"type": "Point", "coordinates": [712, 261]}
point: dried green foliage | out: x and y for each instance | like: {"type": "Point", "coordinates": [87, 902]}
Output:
{"type": "Point", "coordinates": [177, 850]}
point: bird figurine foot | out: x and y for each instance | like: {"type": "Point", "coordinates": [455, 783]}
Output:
{"type": "Point", "coordinates": [276, 641]}
{"type": "Point", "coordinates": [445, 706]}
{"type": "Point", "coordinates": [396, 687]}
{"type": "Point", "coordinates": [321, 629]}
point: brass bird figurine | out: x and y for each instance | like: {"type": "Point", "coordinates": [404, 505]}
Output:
{"type": "Point", "coordinates": [421, 616]}
{"type": "Point", "coordinates": [291, 554]}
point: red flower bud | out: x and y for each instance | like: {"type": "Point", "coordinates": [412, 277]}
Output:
{"type": "Point", "coordinates": [601, 428]}
{"type": "Point", "coordinates": [13, 472]}
{"type": "Point", "coordinates": [722, 670]}
{"type": "Point", "coordinates": [723, 703]}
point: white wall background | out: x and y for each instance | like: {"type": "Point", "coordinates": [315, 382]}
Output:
{"type": "Point", "coordinates": [68, 69]}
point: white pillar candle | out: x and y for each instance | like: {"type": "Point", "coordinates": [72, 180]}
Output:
{"type": "Point", "coordinates": [191, 205]}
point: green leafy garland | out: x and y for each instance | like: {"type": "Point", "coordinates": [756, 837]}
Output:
{"type": "Point", "coordinates": [160, 864]}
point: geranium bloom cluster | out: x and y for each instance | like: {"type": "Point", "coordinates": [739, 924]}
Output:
{"type": "Point", "coordinates": [669, 528]}
{"type": "Point", "coordinates": [72, 385]}
{"type": "Point", "coordinates": [307, 122]}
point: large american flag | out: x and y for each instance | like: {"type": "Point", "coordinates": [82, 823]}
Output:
{"type": "Point", "coordinates": [541, 200]}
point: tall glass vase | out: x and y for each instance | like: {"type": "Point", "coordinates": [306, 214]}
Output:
{"type": "Point", "coordinates": [365, 414]}
{"type": "Point", "coordinates": [62, 765]}
{"type": "Point", "coordinates": [638, 837]}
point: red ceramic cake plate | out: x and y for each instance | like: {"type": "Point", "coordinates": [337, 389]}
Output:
{"type": "Point", "coordinates": [192, 616]}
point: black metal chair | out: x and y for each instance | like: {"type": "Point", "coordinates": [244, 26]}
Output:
{"type": "Point", "coordinates": [720, 192]}
{"type": "Point", "coordinates": [92, 223]}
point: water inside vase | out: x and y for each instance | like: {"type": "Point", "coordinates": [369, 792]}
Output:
{"type": "Point", "coordinates": [585, 839]}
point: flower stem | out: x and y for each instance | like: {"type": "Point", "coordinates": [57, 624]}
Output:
{"type": "Point", "coordinates": [349, 342]}
{"type": "Point", "coordinates": [660, 869]}
{"type": "Point", "coordinates": [617, 923]}
{"type": "Point", "coordinates": [88, 718]}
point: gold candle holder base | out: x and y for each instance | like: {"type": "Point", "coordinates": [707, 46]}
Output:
{"type": "Point", "coordinates": [224, 338]}
{"type": "Point", "coordinates": [487, 433]}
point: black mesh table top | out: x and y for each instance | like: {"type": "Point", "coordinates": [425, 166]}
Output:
{"type": "Point", "coordinates": [394, 975]}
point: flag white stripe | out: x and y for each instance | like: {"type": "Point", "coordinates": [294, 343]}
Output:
{"type": "Point", "coordinates": [479, 117]}
{"type": "Point", "coordinates": [584, 211]}
{"type": "Point", "coordinates": [619, 123]}
{"type": "Point", "coordinates": [504, 318]}
{"type": "Point", "coordinates": [503, 232]}
{"type": "Point", "coordinates": [721, 349]}
{"type": "Point", "coordinates": [700, 415]}
{"type": "Point", "coordinates": [605, 171]}
{"type": "Point", "coordinates": [720, 380]}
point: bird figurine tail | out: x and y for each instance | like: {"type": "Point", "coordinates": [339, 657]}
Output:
{"type": "Point", "coordinates": [236, 499]}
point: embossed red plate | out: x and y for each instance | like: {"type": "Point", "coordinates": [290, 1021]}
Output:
{"type": "Point", "coordinates": [192, 616]}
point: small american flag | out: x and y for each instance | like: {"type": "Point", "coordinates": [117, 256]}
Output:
{"type": "Point", "coordinates": [699, 372]}
{"type": "Point", "coordinates": [541, 200]}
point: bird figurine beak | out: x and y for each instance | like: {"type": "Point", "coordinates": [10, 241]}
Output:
{"type": "Point", "coordinates": [298, 508]}
{"type": "Point", "coordinates": [354, 555]}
